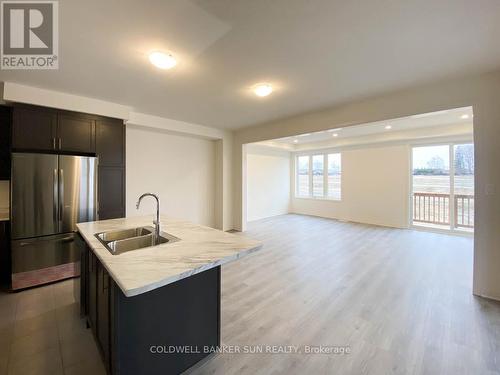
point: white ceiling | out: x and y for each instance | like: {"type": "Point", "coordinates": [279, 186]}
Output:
{"type": "Point", "coordinates": [315, 53]}
{"type": "Point", "coordinates": [426, 120]}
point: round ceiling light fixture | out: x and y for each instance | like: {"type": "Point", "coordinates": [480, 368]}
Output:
{"type": "Point", "coordinates": [335, 134]}
{"type": "Point", "coordinates": [262, 89]}
{"type": "Point", "coordinates": [388, 127]}
{"type": "Point", "coordinates": [295, 141]}
{"type": "Point", "coordinates": [162, 60]}
{"type": "Point", "coordinates": [464, 116]}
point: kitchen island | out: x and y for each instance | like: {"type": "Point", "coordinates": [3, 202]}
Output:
{"type": "Point", "coordinates": [156, 310]}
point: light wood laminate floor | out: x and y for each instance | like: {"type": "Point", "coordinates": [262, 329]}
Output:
{"type": "Point", "coordinates": [399, 299]}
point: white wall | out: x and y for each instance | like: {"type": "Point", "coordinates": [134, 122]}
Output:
{"type": "Point", "coordinates": [268, 183]}
{"type": "Point", "coordinates": [374, 188]}
{"type": "Point", "coordinates": [180, 169]}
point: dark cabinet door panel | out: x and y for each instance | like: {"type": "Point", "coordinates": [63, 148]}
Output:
{"type": "Point", "coordinates": [103, 311]}
{"type": "Point", "coordinates": [5, 130]}
{"type": "Point", "coordinates": [110, 142]}
{"type": "Point", "coordinates": [5, 126]}
{"type": "Point", "coordinates": [5, 254]}
{"type": "Point", "coordinates": [75, 133]}
{"type": "Point", "coordinates": [34, 129]}
{"type": "Point", "coordinates": [92, 290]}
{"type": "Point", "coordinates": [80, 289]}
{"type": "Point", "coordinates": [111, 192]}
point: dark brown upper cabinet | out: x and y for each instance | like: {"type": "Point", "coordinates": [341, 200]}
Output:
{"type": "Point", "coordinates": [75, 133]}
{"type": "Point", "coordinates": [40, 129]}
{"type": "Point", "coordinates": [46, 129]}
{"type": "Point", "coordinates": [5, 141]}
{"type": "Point", "coordinates": [34, 129]}
{"type": "Point", "coordinates": [110, 147]}
{"type": "Point", "coordinates": [110, 142]}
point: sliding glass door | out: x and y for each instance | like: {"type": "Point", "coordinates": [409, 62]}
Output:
{"type": "Point", "coordinates": [443, 186]}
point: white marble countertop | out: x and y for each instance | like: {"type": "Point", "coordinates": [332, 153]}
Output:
{"type": "Point", "coordinates": [199, 249]}
{"type": "Point", "coordinates": [4, 214]}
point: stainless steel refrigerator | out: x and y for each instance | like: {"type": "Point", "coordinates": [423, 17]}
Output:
{"type": "Point", "coordinates": [49, 195]}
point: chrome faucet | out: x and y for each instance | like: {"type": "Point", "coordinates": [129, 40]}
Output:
{"type": "Point", "coordinates": [156, 222]}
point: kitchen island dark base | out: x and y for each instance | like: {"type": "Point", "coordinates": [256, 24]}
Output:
{"type": "Point", "coordinates": [164, 331]}
{"type": "Point", "coordinates": [167, 330]}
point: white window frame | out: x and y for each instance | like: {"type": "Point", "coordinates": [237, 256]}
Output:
{"type": "Point", "coordinates": [297, 195]}
{"type": "Point", "coordinates": [310, 156]}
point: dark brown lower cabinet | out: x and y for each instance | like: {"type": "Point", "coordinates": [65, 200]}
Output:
{"type": "Point", "coordinates": [135, 335]}
{"type": "Point", "coordinates": [5, 258]}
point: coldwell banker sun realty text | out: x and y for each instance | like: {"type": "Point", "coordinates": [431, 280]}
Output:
{"type": "Point", "coordinates": [30, 35]}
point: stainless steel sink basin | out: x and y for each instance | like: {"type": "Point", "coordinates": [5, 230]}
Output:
{"type": "Point", "coordinates": [122, 234]}
{"type": "Point", "coordinates": [121, 241]}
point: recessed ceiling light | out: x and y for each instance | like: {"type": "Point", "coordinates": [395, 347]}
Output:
{"type": "Point", "coordinates": [335, 134]}
{"type": "Point", "coordinates": [162, 60]}
{"type": "Point", "coordinates": [464, 116]}
{"type": "Point", "coordinates": [388, 127]}
{"type": "Point", "coordinates": [295, 141]}
{"type": "Point", "coordinates": [263, 89]}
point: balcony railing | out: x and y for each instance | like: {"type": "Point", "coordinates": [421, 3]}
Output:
{"type": "Point", "coordinates": [464, 211]}
{"type": "Point", "coordinates": [434, 208]}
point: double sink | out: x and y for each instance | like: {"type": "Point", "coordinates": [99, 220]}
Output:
{"type": "Point", "coordinates": [121, 241]}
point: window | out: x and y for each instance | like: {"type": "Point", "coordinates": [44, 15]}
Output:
{"type": "Point", "coordinates": [303, 176]}
{"type": "Point", "coordinates": [318, 176]}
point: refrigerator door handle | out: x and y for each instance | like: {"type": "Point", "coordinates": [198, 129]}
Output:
{"type": "Point", "coordinates": [65, 239]}
{"type": "Point", "coordinates": [96, 189]}
{"type": "Point", "coordinates": [61, 195]}
{"type": "Point", "coordinates": [55, 208]}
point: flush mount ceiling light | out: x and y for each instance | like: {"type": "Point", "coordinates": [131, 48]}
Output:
{"type": "Point", "coordinates": [335, 134]}
{"type": "Point", "coordinates": [262, 89]}
{"type": "Point", "coordinates": [387, 127]}
{"type": "Point", "coordinates": [464, 117]}
{"type": "Point", "coordinates": [295, 141]}
{"type": "Point", "coordinates": [162, 60]}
